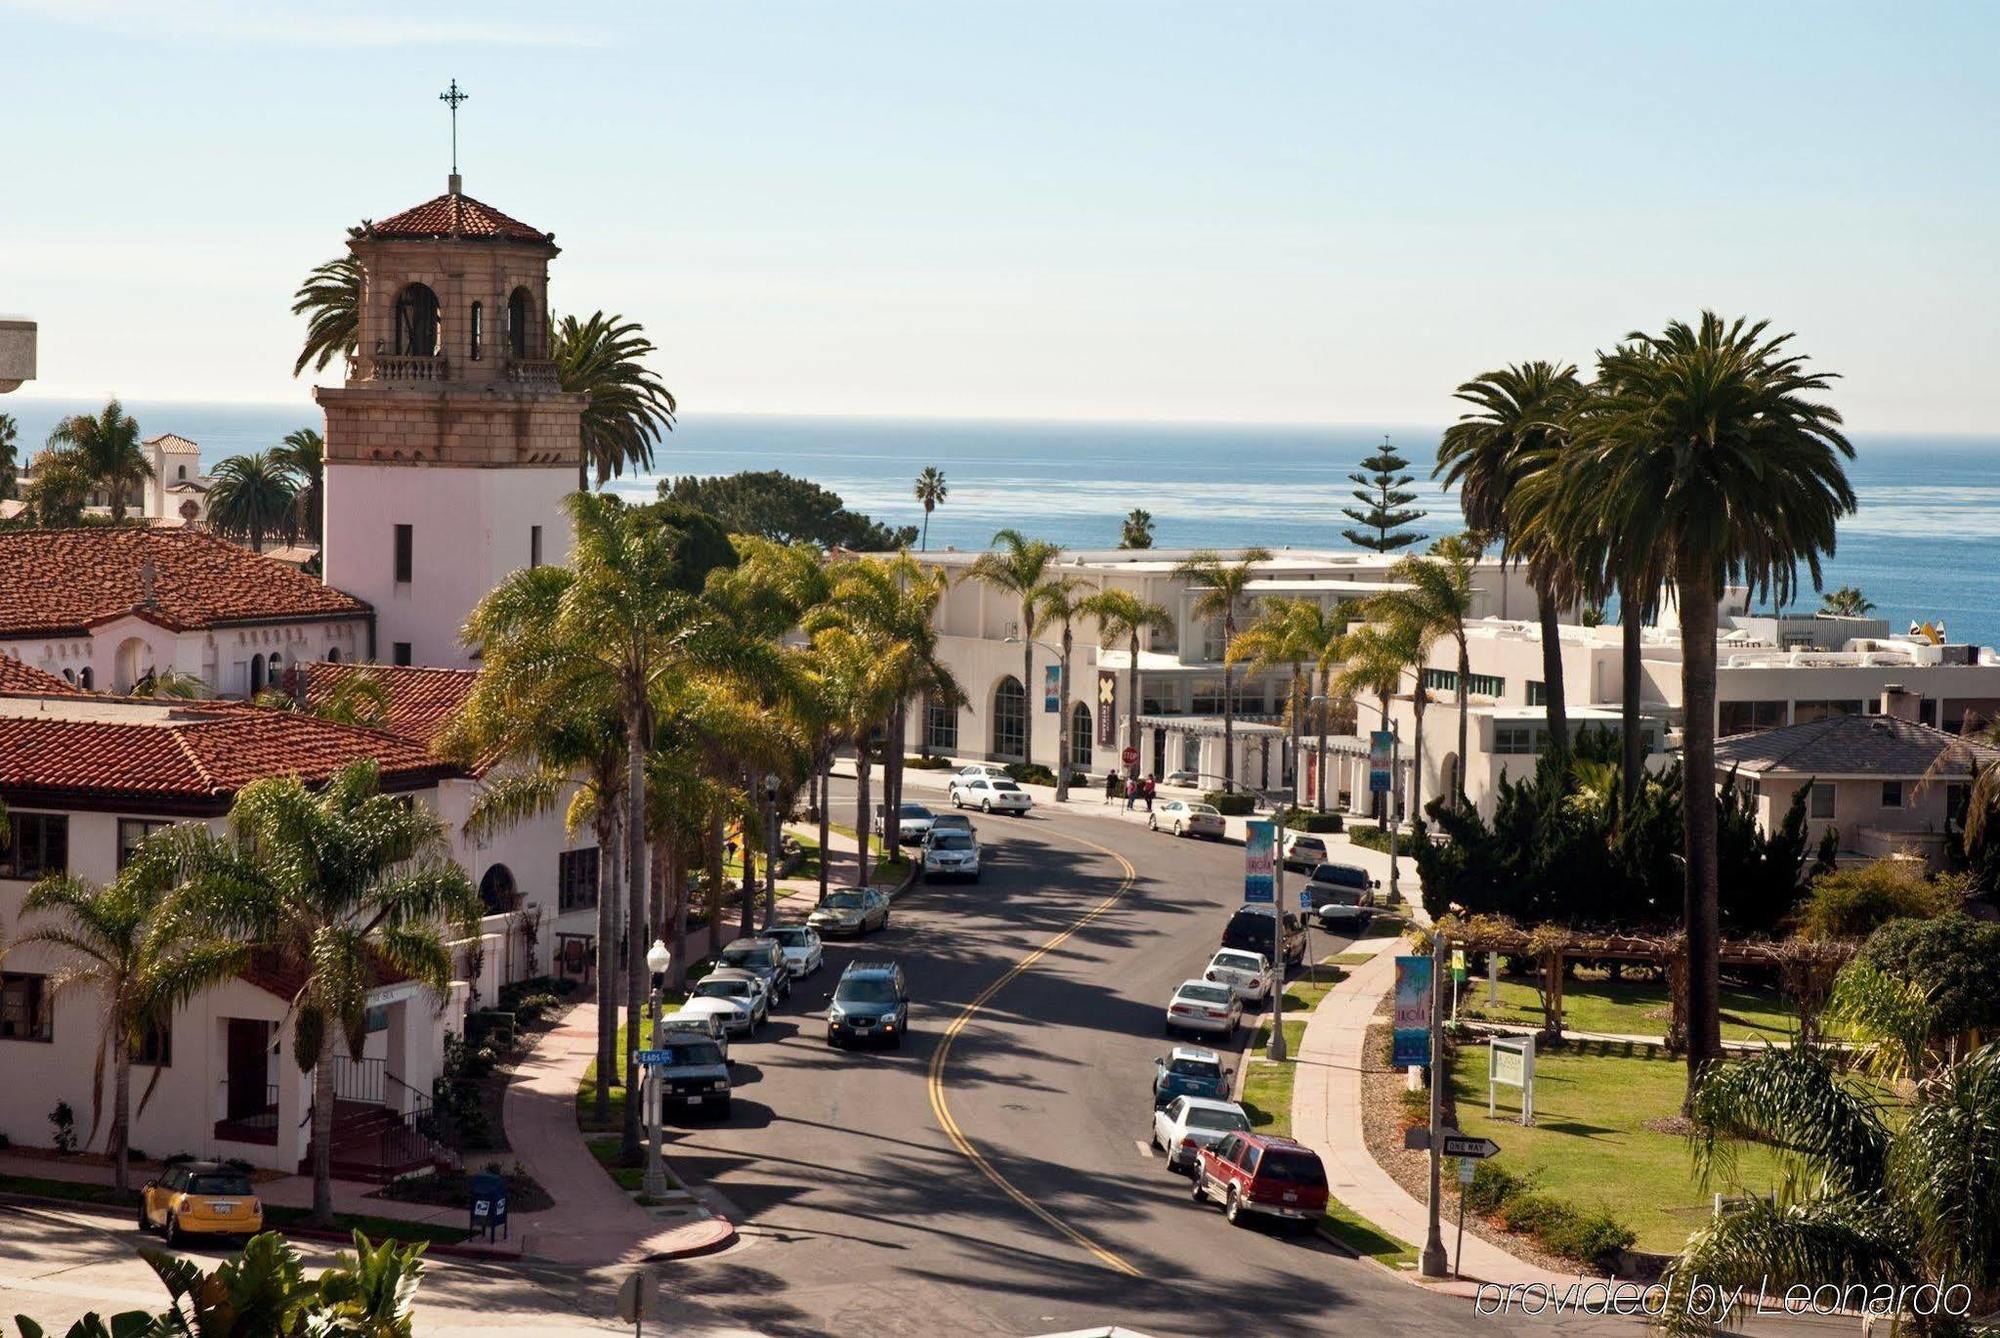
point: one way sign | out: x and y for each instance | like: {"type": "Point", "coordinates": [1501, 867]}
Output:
{"type": "Point", "coordinates": [1459, 1145]}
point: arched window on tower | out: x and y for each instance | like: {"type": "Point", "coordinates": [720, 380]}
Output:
{"type": "Point", "coordinates": [417, 322]}
{"type": "Point", "coordinates": [181, 473]}
{"type": "Point", "coordinates": [519, 306]}
{"type": "Point", "coordinates": [476, 331]}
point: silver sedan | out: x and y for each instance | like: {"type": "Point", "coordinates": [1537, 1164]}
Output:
{"type": "Point", "coordinates": [1203, 1005]}
{"type": "Point", "coordinates": [1187, 1124]}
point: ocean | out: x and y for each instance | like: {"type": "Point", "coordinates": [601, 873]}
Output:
{"type": "Point", "coordinates": [1925, 543]}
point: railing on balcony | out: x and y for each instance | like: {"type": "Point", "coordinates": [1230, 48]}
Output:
{"type": "Point", "coordinates": [252, 1123]}
{"type": "Point", "coordinates": [407, 367]}
{"type": "Point", "coordinates": [359, 1080]}
{"type": "Point", "coordinates": [538, 372]}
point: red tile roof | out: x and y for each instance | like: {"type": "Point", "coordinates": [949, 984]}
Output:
{"type": "Point", "coordinates": [452, 215]}
{"type": "Point", "coordinates": [18, 677]}
{"type": "Point", "coordinates": [173, 443]}
{"type": "Point", "coordinates": [63, 582]}
{"type": "Point", "coordinates": [82, 751]}
{"type": "Point", "coordinates": [421, 699]}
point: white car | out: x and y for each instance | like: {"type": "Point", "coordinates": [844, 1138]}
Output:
{"type": "Point", "coordinates": [707, 1022]}
{"type": "Point", "coordinates": [1187, 1124]}
{"type": "Point", "coordinates": [1187, 817]}
{"type": "Point", "coordinates": [726, 983]}
{"type": "Point", "coordinates": [801, 946]}
{"type": "Point", "coordinates": [1304, 850]}
{"type": "Point", "coordinates": [989, 795]}
{"type": "Point", "coordinates": [976, 770]}
{"type": "Point", "coordinates": [951, 854]}
{"type": "Point", "coordinates": [913, 823]}
{"type": "Point", "coordinates": [1190, 780]}
{"type": "Point", "coordinates": [734, 1012]}
{"type": "Point", "coordinates": [1248, 973]}
{"type": "Point", "coordinates": [1204, 1005]}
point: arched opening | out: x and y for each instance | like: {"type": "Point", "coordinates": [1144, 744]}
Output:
{"type": "Point", "coordinates": [519, 309]}
{"type": "Point", "coordinates": [1079, 736]}
{"type": "Point", "coordinates": [475, 333]}
{"type": "Point", "coordinates": [417, 322]}
{"type": "Point", "coordinates": [274, 669]}
{"type": "Point", "coordinates": [1010, 718]}
{"type": "Point", "coordinates": [333, 655]}
{"type": "Point", "coordinates": [130, 665]}
{"type": "Point", "coordinates": [256, 674]}
{"type": "Point", "coordinates": [180, 473]}
{"type": "Point", "coordinates": [497, 890]}
{"type": "Point", "coordinates": [84, 678]}
{"type": "Point", "coordinates": [69, 677]}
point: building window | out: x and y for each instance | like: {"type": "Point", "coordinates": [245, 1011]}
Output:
{"type": "Point", "coordinates": [1205, 696]}
{"type": "Point", "coordinates": [1485, 685]}
{"type": "Point", "coordinates": [180, 473]}
{"type": "Point", "coordinates": [406, 557]}
{"type": "Point", "coordinates": [475, 331]}
{"type": "Point", "coordinates": [131, 831]}
{"type": "Point", "coordinates": [333, 655]}
{"type": "Point", "coordinates": [1517, 740]}
{"type": "Point", "coordinates": [517, 323]}
{"type": "Point", "coordinates": [1442, 681]}
{"type": "Point", "coordinates": [1538, 692]}
{"type": "Point", "coordinates": [1010, 718]}
{"type": "Point", "coordinates": [156, 1047]}
{"type": "Point", "coordinates": [25, 1014]}
{"type": "Point", "coordinates": [399, 653]}
{"type": "Point", "coordinates": [1748, 717]}
{"type": "Point", "coordinates": [40, 846]}
{"type": "Point", "coordinates": [576, 879]}
{"type": "Point", "coordinates": [497, 891]}
{"type": "Point", "coordinates": [1802, 712]}
{"type": "Point", "coordinates": [417, 322]}
{"type": "Point", "coordinates": [256, 674]}
{"type": "Point", "coordinates": [534, 545]}
{"type": "Point", "coordinates": [1892, 794]}
{"type": "Point", "coordinates": [84, 679]}
{"type": "Point", "coordinates": [1819, 804]}
{"type": "Point", "coordinates": [1251, 698]}
{"type": "Point", "coordinates": [1079, 736]}
{"type": "Point", "coordinates": [940, 725]}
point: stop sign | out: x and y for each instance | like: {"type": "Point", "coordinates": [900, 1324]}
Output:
{"type": "Point", "coordinates": [1130, 756]}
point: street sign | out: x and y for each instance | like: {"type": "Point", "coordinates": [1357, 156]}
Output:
{"type": "Point", "coordinates": [1130, 757]}
{"type": "Point", "coordinates": [1455, 1144]}
{"type": "Point", "coordinates": [635, 1296]}
{"type": "Point", "coordinates": [1260, 861]}
{"type": "Point", "coordinates": [1381, 744]}
{"type": "Point", "coordinates": [1466, 1167]}
{"type": "Point", "coordinates": [653, 1058]}
{"type": "Point", "coordinates": [1458, 965]}
{"type": "Point", "coordinates": [1413, 1013]}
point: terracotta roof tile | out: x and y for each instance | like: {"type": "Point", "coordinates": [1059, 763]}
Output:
{"type": "Point", "coordinates": [421, 699]}
{"type": "Point", "coordinates": [452, 215]}
{"type": "Point", "coordinates": [173, 443]}
{"type": "Point", "coordinates": [18, 677]}
{"type": "Point", "coordinates": [62, 582]}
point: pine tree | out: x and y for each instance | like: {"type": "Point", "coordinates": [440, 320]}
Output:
{"type": "Point", "coordinates": [1385, 497]}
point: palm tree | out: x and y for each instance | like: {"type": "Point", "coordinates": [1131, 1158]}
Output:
{"type": "Point", "coordinates": [59, 490]}
{"type": "Point", "coordinates": [1374, 657]}
{"type": "Point", "coordinates": [1436, 602]}
{"type": "Point", "coordinates": [1707, 449]}
{"type": "Point", "coordinates": [330, 299]}
{"type": "Point", "coordinates": [10, 433]}
{"type": "Point", "coordinates": [1322, 634]}
{"type": "Point", "coordinates": [1846, 602]}
{"type": "Point", "coordinates": [133, 942]}
{"type": "Point", "coordinates": [1060, 599]}
{"type": "Point", "coordinates": [1123, 616]}
{"type": "Point", "coordinates": [357, 698]}
{"type": "Point", "coordinates": [1137, 531]}
{"type": "Point", "coordinates": [335, 881]}
{"type": "Point", "coordinates": [254, 496]}
{"type": "Point", "coordinates": [1276, 639]}
{"type": "Point", "coordinates": [303, 454]}
{"type": "Point", "coordinates": [627, 407]}
{"type": "Point", "coordinates": [175, 684]}
{"type": "Point", "coordinates": [1017, 565]}
{"type": "Point", "coordinates": [931, 491]}
{"type": "Point", "coordinates": [1222, 585]}
{"type": "Point", "coordinates": [861, 679]}
{"type": "Point", "coordinates": [1517, 429]}
{"type": "Point", "coordinates": [106, 451]}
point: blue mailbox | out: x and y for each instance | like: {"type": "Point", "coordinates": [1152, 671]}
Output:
{"type": "Point", "coordinates": [489, 1204]}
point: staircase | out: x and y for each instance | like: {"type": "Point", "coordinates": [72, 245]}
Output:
{"type": "Point", "coordinates": [379, 1126]}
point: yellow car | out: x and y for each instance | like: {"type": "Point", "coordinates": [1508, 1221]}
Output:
{"type": "Point", "coordinates": [200, 1198]}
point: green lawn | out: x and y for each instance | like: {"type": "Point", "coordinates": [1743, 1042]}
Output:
{"type": "Point", "coordinates": [1301, 997]}
{"type": "Point", "coordinates": [1626, 1008]}
{"type": "Point", "coordinates": [1588, 1143]}
{"type": "Point", "coordinates": [586, 1090]}
{"type": "Point", "coordinates": [377, 1228]}
{"type": "Point", "coordinates": [732, 865]}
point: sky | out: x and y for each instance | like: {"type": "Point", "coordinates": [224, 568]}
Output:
{"type": "Point", "coordinates": [1250, 212]}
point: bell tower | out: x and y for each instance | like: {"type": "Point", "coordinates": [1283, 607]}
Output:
{"type": "Point", "coordinates": [451, 445]}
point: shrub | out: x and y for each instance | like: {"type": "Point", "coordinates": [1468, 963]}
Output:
{"type": "Point", "coordinates": [927, 763]}
{"type": "Point", "coordinates": [63, 1121]}
{"type": "Point", "coordinates": [1374, 838]}
{"type": "Point", "coordinates": [1593, 1236]}
{"type": "Point", "coordinates": [1490, 1187]}
{"type": "Point", "coordinates": [1955, 959]}
{"type": "Point", "coordinates": [1590, 1235]}
{"type": "Point", "coordinates": [1315, 822]}
{"type": "Point", "coordinates": [1234, 803]}
{"type": "Point", "coordinates": [1031, 773]}
{"type": "Point", "coordinates": [1854, 903]}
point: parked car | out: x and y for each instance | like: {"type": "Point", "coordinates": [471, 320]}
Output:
{"type": "Point", "coordinates": [1186, 817]}
{"type": "Point", "coordinates": [724, 983]}
{"type": "Point", "coordinates": [200, 1198]}
{"type": "Point", "coordinates": [913, 823]}
{"type": "Point", "coordinates": [871, 1002]}
{"type": "Point", "coordinates": [1249, 930]}
{"type": "Point", "coordinates": [1187, 1124]}
{"type": "Point", "coordinates": [1261, 1173]}
{"type": "Point", "coordinates": [735, 1013]}
{"type": "Point", "coordinates": [1303, 850]}
{"type": "Point", "coordinates": [952, 822]}
{"type": "Point", "coordinates": [1203, 1005]}
{"type": "Point", "coordinates": [1248, 973]}
{"type": "Point", "coordinates": [1186, 779]}
{"type": "Point", "coordinates": [1343, 897]}
{"type": "Point", "coordinates": [974, 770]}
{"type": "Point", "coordinates": [989, 795]}
{"type": "Point", "coordinates": [801, 947]}
{"type": "Point", "coordinates": [705, 1023]}
{"type": "Point", "coordinates": [951, 854]}
{"type": "Point", "coordinates": [762, 958]}
{"type": "Point", "coordinates": [850, 910]}
{"type": "Point", "coordinates": [695, 1076]}
{"type": "Point", "coordinates": [1189, 1071]}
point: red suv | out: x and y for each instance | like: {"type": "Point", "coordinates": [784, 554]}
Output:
{"type": "Point", "coordinates": [1262, 1173]}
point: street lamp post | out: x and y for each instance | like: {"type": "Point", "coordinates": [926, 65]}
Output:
{"type": "Point", "coordinates": [1062, 716]}
{"type": "Point", "coordinates": [1276, 1049]}
{"type": "Point", "coordinates": [658, 960]}
{"type": "Point", "coordinates": [771, 848]}
{"type": "Point", "coordinates": [1432, 1264]}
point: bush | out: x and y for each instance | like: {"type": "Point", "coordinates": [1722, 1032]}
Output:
{"type": "Point", "coordinates": [1955, 959]}
{"type": "Point", "coordinates": [1374, 838]}
{"type": "Point", "coordinates": [1314, 822]}
{"type": "Point", "coordinates": [1594, 1236]}
{"type": "Point", "coordinates": [1031, 773]}
{"type": "Point", "coordinates": [63, 1121]}
{"type": "Point", "coordinates": [1233, 803]}
{"type": "Point", "coordinates": [1590, 1235]}
{"type": "Point", "coordinates": [1854, 903]}
{"type": "Point", "coordinates": [1490, 1187]}
{"type": "Point", "coordinates": [927, 763]}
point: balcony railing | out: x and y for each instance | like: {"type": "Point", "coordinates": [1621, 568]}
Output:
{"type": "Point", "coordinates": [540, 373]}
{"type": "Point", "coordinates": [408, 367]}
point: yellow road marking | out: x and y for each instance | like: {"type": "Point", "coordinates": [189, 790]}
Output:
{"type": "Point", "coordinates": [943, 1052]}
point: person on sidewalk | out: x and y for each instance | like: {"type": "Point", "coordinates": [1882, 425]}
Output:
{"type": "Point", "coordinates": [1148, 792]}
{"type": "Point", "coordinates": [1112, 786]}
{"type": "Point", "coordinates": [1131, 792]}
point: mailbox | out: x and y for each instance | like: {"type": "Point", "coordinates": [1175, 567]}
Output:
{"type": "Point", "coordinates": [489, 1204]}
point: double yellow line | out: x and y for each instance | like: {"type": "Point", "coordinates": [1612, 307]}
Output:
{"type": "Point", "coordinates": [942, 1055]}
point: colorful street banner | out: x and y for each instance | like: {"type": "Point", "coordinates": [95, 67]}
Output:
{"type": "Point", "coordinates": [1052, 689]}
{"type": "Point", "coordinates": [1107, 708]}
{"type": "Point", "coordinates": [1413, 1013]}
{"type": "Point", "coordinates": [1260, 861]}
{"type": "Point", "coordinates": [1381, 745]}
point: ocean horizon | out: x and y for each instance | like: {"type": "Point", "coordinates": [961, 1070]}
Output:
{"type": "Point", "coordinates": [1924, 543]}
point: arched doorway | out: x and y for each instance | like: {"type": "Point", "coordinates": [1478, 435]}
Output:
{"type": "Point", "coordinates": [256, 674]}
{"type": "Point", "coordinates": [130, 664]}
{"type": "Point", "coordinates": [520, 307]}
{"type": "Point", "coordinates": [333, 655]}
{"type": "Point", "coordinates": [497, 890]}
{"type": "Point", "coordinates": [1010, 718]}
{"type": "Point", "coordinates": [417, 322]}
{"type": "Point", "coordinates": [84, 678]}
{"type": "Point", "coordinates": [1079, 736]}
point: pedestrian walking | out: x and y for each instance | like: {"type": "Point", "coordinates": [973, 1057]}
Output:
{"type": "Point", "coordinates": [1131, 792]}
{"type": "Point", "coordinates": [1147, 793]}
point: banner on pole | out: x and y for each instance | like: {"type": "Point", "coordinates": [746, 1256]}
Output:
{"type": "Point", "coordinates": [1381, 745]}
{"type": "Point", "coordinates": [1260, 861]}
{"type": "Point", "coordinates": [1052, 689]}
{"type": "Point", "coordinates": [1413, 1013]}
{"type": "Point", "coordinates": [1107, 708]}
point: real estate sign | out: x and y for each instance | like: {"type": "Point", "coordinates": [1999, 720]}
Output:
{"type": "Point", "coordinates": [1260, 861]}
{"type": "Point", "coordinates": [1413, 1012]}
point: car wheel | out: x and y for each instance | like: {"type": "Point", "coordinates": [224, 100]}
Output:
{"type": "Point", "coordinates": [724, 1108]}
{"type": "Point", "coordinates": [175, 1237]}
{"type": "Point", "coordinates": [145, 1222]}
{"type": "Point", "coordinates": [986, 806]}
{"type": "Point", "coordinates": [1232, 1208]}
{"type": "Point", "coordinates": [896, 1042]}
{"type": "Point", "coordinates": [1200, 1191]}
{"type": "Point", "coordinates": [1152, 825]}
{"type": "Point", "coordinates": [833, 1040]}
{"type": "Point", "coordinates": [1180, 829]}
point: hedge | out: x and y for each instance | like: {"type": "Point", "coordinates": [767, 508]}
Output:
{"type": "Point", "coordinates": [1374, 838]}
{"type": "Point", "coordinates": [1031, 773]}
{"type": "Point", "coordinates": [1315, 822]}
{"type": "Point", "coordinates": [1234, 803]}
{"type": "Point", "coordinates": [1592, 1235]}
{"type": "Point", "coordinates": [928, 763]}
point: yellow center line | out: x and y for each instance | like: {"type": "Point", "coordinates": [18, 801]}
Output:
{"type": "Point", "coordinates": [943, 1053]}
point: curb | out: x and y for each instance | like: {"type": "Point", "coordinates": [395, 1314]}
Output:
{"type": "Point", "coordinates": [697, 1251]}
{"type": "Point", "coordinates": [304, 1233]}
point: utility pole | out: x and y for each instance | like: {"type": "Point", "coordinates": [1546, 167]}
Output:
{"type": "Point", "coordinates": [1275, 1050]}
{"type": "Point", "coordinates": [1389, 803]}
{"type": "Point", "coordinates": [1433, 1262]}
{"type": "Point", "coordinates": [771, 848]}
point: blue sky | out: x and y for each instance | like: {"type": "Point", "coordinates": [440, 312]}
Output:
{"type": "Point", "coordinates": [1253, 212]}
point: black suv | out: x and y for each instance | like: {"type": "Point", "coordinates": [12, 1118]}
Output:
{"type": "Point", "coordinates": [1249, 930]}
{"type": "Point", "coordinates": [870, 1003]}
{"type": "Point", "coordinates": [763, 958]}
{"type": "Point", "coordinates": [695, 1076]}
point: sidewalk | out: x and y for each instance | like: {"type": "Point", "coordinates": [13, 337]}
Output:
{"type": "Point", "coordinates": [593, 1223]}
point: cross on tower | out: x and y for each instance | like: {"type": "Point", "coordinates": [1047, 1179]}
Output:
{"type": "Point", "coordinates": [452, 97]}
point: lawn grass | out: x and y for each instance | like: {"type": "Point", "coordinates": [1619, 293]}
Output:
{"type": "Point", "coordinates": [1627, 1008]}
{"type": "Point", "coordinates": [1589, 1144]}
{"type": "Point", "coordinates": [586, 1089]}
{"type": "Point", "coordinates": [376, 1228]}
{"type": "Point", "coordinates": [1352, 958]}
{"type": "Point", "coordinates": [1363, 1237]}
{"type": "Point", "coordinates": [1301, 997]}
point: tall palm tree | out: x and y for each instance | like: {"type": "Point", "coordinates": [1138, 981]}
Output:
{"type": "Point", "coordinates": [861, 679]}
{"type": "Point", "coordinates": [1517, 428]}
{"type": "Point", "coordinates": [10, 460]}
{"type": "Point", "coordinates": [1016, 566]}
{"type": "Point", "coordinates": [133, 942]}
{"type": "Point", "coordinates": [1435, 602]}
{"type": "Point", "coordinates": [1322, 634]}
{"type": "Point", "coordinates": [106, 450]}
{"type": "Point", "coordinates": [1059, 599]}
{"type": "Point", "coordinates": [254, 497]}
{"type": "Point", "coordinates": [1275, 639]}
{"type": "Point", "coordinates": [1708, 448]}
{"type": "Point", "coordinates": [303, 453]}
{"type": "Point", "coordinates": [1137, 531]}
{"type": "Point", "coordinates": [1374, 658]}
{"type": "Point", "coordinates": [1123, 616]}
{"type": "Point", "coordinates": [334, 881]}
{"type": "Point", "coordinates": [628, 407]}
{"type": "Point", "coordinates": [931, 491]}
{"type": "Point", "coordinates": [330, 300]}
{"type": "Point", "coordinates": [1221, 586]}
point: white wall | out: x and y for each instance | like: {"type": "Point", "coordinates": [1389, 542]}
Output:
{"type": "Point", "coordinates": [221, 658]}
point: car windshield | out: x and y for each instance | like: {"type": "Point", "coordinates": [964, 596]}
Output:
{"type": "Point", "coordinates": [1346, 875]}
{"type": "Point", "coordinates": [1205, 993]}
{"type": "Point", "coordinates": [695, 1022]}
{"type": "Point", "coordinates": [1239, 961]}
{"type": "Point", "coordinates": [952, 841]}
{"type": "Point", "coordinates": [1209, 810]}
{"type": "Point", "coordinates": [1291, 1168]}
{"type": "Point", "coordinates": [913, 811]}
{"type": "Point", "coordinates": [1195, 1068]}
{"type": "Point", "coordinates": [723, 989]}
{"type": "Point", "coordinates": [1005, 785]}
{"type": "Point", "coordinates": [736, 954]}
{"type": "Point", "coordinates": [1201, 1117]}
{"type": "Point", "coordinates": [844, 901]}
{"type": "Point", "coordinates": [865, 989]}
{"type": "Point", "coordinates": [790, 938]}
{"type": "Point", "coordinates": [688, 1054]}
{"type": "Point", "coordinates": [220, 1182]}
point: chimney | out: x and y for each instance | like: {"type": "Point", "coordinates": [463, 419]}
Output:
{"type": "Point", "coordinates": [1900, 703]}
{"type": "Point", "coordinates": [146, 599]}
